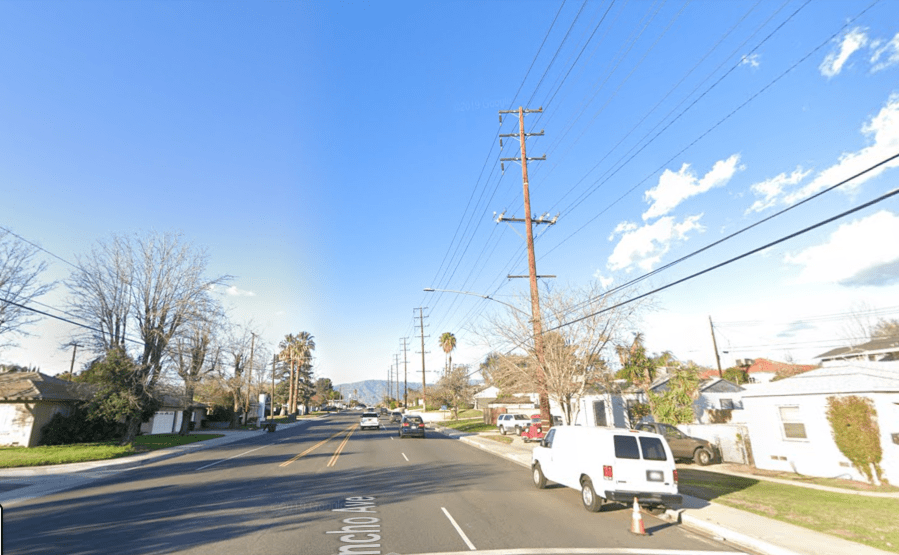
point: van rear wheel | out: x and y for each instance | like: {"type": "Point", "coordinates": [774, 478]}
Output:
{"type": "Point", "coordinates": [592, 502]}
{"type": "Point", "coordinates": [539, 478]}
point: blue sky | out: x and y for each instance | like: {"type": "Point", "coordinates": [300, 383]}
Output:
{"type": "Point", "coordinates": [339, 157]}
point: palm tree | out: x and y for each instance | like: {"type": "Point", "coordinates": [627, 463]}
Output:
{"type": "Point", "coordinates": [305, 344]}
{"type": "Point", "coordinates": [287, 354]}
{"type": "Point", "coordinates": [448, 343]}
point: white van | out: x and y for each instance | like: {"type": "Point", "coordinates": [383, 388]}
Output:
{"type": "Point", "coordinates": [608, 464]}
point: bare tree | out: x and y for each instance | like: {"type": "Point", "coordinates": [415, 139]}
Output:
{"type": "Point", "coordinates": [101, 293]}
{"type": "Point", "coordinates": [577, 343]}
{"type": "Point", "coordinates": [19, 285]}
{"type": "Point", "coordinates": [195, 355]}
{"type": "Point", "coordinates": [453, 388]}
{"type": "Point", "coordinates": [148, 287]}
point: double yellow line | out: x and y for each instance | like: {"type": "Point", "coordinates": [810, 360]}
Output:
{"type": "Point", "coordinates": [348, 431]}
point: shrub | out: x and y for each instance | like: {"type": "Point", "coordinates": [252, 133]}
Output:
{"type": "Point", "coordinates": [221, 413]}
{"type": "Point", "coordinates": [853, 421]}
{"type": "Point", "coordinates": [80, 427]}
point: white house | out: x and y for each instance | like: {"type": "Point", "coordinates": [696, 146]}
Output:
{"type": "Point", "coordinates": [714, 394]}
{"type": "Point", "coordinates": [788, 425]}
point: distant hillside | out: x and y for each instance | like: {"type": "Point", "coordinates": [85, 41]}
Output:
{"type": "Point", "coordinates": [370, 392]}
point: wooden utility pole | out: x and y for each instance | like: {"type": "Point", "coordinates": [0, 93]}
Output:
{"type": "Point", "coordinates": [72, 364]}
{"type": "Point", "coordinates": [421, 317]}
{"type": "Point", "coordinates": [272, 400]}
{"type": "Point", "coordinates": [529, 222]}
{"type": "Point", "coordinates": [246, 407]}
{"type": "Point", "coordinates": [405, 375]}
{"type": "Point", "coordinates": [715, 345]}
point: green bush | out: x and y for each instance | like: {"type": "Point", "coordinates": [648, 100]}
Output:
{"type": "Point", "coordinates": [79, 427]}
{"type": "Point", "coordinates": [220, 413]}
{"type": "Point", "coordinates": [855, 431]}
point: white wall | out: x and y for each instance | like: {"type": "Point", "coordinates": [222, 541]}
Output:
{"type": "Point", "coordinates": [817, 455]}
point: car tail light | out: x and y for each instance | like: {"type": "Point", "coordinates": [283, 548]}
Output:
{"type": "Point", "coordinates": [675, 475]}
{"type": "Point", "coordinates": [405, 424]}
{"type": "Point", "coordinates": [607, 471]}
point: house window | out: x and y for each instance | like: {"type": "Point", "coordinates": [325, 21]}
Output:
{"type": "Point", "coordinates": [792, 423]}
{"type": "Point", "coordinates": [727, 404]}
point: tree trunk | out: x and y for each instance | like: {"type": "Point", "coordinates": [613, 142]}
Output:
{"type": "Point", "coordinates": [132, 428]}
{"type": "Point", "coordinates": [185, 421]}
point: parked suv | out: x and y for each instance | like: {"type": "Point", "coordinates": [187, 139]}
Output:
{"type": "Point", "coordinates": [369, 420]}
{"type": "Point", "coordinates": [683, 446]}
{"type": "Point", "coordinates": [608, 464]}
{"type": "Point", "coordinates": [512, 423]}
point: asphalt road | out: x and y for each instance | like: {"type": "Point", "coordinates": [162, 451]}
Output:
{"type": "Point", "coordinates": [328, 487]}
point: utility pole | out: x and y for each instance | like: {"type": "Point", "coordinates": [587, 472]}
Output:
{"type": "Point", "coordinates": [387, 393]}
{"type": "Point", "coordinates": [72, 364]}
{"type": "Point", "coordinates": [421, 317]}
{"type": "Point", "coordinates": [396, 376]}
{"type": "Point", "coordinates": [529, 222]}
{"type": "Point", "coordinates": [272, 400]}
{"type": "Point", "coordinates": [246, 406]}
{"type": "Point", "coordinates": [405, 374]}
{"type": "Point", "coordinates": [715, 345]}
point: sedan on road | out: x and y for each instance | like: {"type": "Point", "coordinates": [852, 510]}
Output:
{"type": "Point", "coordinates": [412, 426]}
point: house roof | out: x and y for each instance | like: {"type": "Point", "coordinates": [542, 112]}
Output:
{"type": "Point", "coordinates": [35, 386]}
{"type": "Point", "coordinates": [875, 346]}
{"type": "Point", "coordinates": [712, 385]}
{"type": "Point", "coordinates": [834, 379]}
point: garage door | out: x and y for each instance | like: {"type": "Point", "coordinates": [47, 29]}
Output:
{"type": "Point", "coordinates": [163, 422]}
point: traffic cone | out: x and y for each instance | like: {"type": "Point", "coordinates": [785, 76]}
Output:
{"type": "Point", "coordinates": [637, 521]}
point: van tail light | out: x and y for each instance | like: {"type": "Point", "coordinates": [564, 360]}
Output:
{"type": "Point", "coordinates": [675, 475]}
{"type": "Point", "coordinates": [607, 472]}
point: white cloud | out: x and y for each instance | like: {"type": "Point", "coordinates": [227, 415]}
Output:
{"type": "Point", "coordinates": [604, 281]}
{"type": "Point", "coordinates": [674, 188]}
{"type": "Point", "coordinates": [857, 253]}
{"type": "Point", "coordinates": [751, 60]}
{"type": "Point", "coordinates": [772, 189]}
{"type": "Point", "coordinates": [232, 291]}
{"type": "Point", "coordinates": [833, 63]}
{"type": "Point", "coordinates": [885, 54]}
{"type": "Point", "coordinates": [645, 246]}
{"type": "Point", "coordinates": [884, 128]}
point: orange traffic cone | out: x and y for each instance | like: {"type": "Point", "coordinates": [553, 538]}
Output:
{"type": "Point", "coordinates": [637, 521]}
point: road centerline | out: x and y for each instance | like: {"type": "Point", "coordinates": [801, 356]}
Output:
{"type": "Point", "coordinates": [339, 450]}
{"type": "Point", "coordinates": [316, 446]}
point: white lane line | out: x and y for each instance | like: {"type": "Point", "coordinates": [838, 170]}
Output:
{"type": "Point", "coordinates": [586, 551]}
{"type": "Point", "coordinates": [458, 529]}
{"type": "Point", "coordinates": [405, 457]}
{"type": "Point", "coordinates": [234, 457]}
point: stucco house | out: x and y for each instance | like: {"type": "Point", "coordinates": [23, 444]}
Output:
{"type": "Point", "coordinates": [884, 350]}
{"type": "Point", "coordinates": [168, 418]}
{"type": "Point", "coordinates": [28, 400]}
{"type": "Point", "coordinates": [788, 425]}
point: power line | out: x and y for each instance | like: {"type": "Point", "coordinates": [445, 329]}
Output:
{"type": "Point", "coordinates": [736, 258]}
{"type": "Point", "coordinates": [66, 320]}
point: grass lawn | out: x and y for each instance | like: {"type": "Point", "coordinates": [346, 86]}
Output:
{"type": "Point", "coordinates": [475, 424]}
{"type": "Point", "coordinates": [858, 518]}
{"type": "Point", "coordinates": [501, 439]}
{"type": "Point", "coordinates": [11, 457]}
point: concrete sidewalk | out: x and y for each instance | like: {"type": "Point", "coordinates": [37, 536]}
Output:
{"type": "Point", "coordinates": [741, 528]}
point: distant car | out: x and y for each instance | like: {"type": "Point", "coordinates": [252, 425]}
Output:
{"type": "Point", "coordinates": [395, 416]}
{"type": "Point", "coordinates": [508, 423]}
{"type": "Point", "coordinates": [369, 420]}
{"type": "Point", "coordinates": [683, 446]}
{"type": "Point", "coordinates": [383, 411]}
{"type": "Point", "coordinates": [412, 425]}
